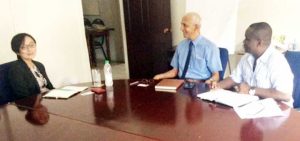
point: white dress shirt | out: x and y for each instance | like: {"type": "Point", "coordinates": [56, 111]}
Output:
{"type": "Point", "coordinates": [272, 71]}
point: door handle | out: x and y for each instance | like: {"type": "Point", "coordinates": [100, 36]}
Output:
{"type": "Point", "coordinates": [166, 30]}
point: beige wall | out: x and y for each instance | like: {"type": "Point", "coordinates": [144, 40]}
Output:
{"type": "Point", "coordinates": [58, 28]}
{"type": "Point", "coordinates": [282, 15]}
{"type": "Point", "coordinates": [224, 22]}
{"type": "Point", "coordinates": [218, 20]}
{"type": "Point", "coordinates": [177, 11]}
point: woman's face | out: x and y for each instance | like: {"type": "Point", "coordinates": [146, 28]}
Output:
{"type": "Point", "coordinates": [27, 49]}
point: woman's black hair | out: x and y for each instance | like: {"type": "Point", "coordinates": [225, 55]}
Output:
{"type": "Point", "coordinates": [18, 40]}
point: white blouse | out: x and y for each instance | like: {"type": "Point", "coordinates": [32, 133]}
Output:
{"type": "Point", "coordinates": [40, 79]}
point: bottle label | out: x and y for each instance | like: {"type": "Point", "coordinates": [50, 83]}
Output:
{"type": "Point", "coordinates": [108, 75]}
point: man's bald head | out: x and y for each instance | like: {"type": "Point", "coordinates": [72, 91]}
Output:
{"type": "Point", "coordinates": [190, 25]}
{"type": "Point", "coordinates": [194, 17]}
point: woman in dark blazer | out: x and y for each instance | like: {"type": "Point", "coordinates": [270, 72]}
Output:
{"type": "Point", "coordinates": [26, 76]}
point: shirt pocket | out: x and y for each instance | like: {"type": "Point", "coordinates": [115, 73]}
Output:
{"type": "Point", "coordinates": [262, 80]}
{"type": "Point", "coordinates": [200, 63]}
{"type": "Point", "coordinates": [247, 77]}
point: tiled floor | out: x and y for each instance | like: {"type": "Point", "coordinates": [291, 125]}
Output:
{"type": "Point", "coordinates": [118, 68]}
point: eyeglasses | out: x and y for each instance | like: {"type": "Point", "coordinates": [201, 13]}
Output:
{"type": "Point", "coordinates": [143, 81]}
{"type": "Point", "coordinates": [29, 46]}
{"type": "Point", "coordinates": [146, 81]}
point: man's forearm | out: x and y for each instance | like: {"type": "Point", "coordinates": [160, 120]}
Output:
{"type": "Point", "coordinates": [272, 93]}
{"type": "Point", "coordinates": [169, 74]}
{"type": "Point", "coordinates": [226, 83]}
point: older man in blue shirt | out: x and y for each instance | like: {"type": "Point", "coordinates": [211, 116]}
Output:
{"type": "Point", "coordinates": [204, 59]}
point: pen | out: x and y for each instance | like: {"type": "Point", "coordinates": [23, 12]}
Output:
{"type": "Point", "coordinates": [134, 83]}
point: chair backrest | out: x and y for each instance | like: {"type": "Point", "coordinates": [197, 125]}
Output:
{"type": "Point", "coordinates": [99, 41]}
{"type": "Point", "coordinates": [224, 59]}
{"type": "Point", "coordinates": [293, 58]}
{"type": "Point", "coordinates": [5, 90]}
{"type": "Point", "coordinates": [87, 22]}
{"type": "Point", "coordinates": [98, 21]}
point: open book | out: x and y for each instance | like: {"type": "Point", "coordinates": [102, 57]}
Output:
{"type": "Point", "coordinates": [168, 85]}
{"type": "Point", "coordinates": [64, 92]}
{"type": "Point", "coordinates": [227, 97]}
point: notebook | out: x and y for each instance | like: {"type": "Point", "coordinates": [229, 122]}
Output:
{"type": "Point", "coordinates": [64, 92]}
{"type": "Point", "coordinates": [227, 97]}
{"type": "Point", "coordinates": [168, 85]}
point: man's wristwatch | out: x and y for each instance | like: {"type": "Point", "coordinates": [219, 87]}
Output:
{"type": "Point", "coordinates": [252, 91]}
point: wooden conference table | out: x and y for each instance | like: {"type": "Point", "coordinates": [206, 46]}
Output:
{"type": "Point", "coordinates": [15, 127]}
{"type": "Point", "coordinates": [141, 112]}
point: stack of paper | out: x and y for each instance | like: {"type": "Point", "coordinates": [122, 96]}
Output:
{"type": "Point", "coordinates": [227, 97]}
{"type": "Point", "coordinates": [64, 92]}
{"type": "Point", "coordinates": [261, 108]}
{"type": "Point", "coordinates": [246, 106]}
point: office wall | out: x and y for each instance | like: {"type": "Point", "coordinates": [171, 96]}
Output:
{"type": "Point", "coordinates": [178, 9]}
{"type": "Point", "coordinates": [6, 29]}
{"type": "Point", "coordinates": [283, 16]}
{"type": "Point", "coordinates": [58, 28]}
{"type": "Point", "coordinates": [218, 20]}
{"type": "Point", "coordinates": [224, 22]}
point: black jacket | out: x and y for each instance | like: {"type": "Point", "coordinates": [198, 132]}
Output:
{"type": "Point", "coordinates": [23, 82]}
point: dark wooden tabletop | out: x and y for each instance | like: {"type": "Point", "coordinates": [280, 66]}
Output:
{"type": "Point", "coordinates": [143, 112]}
{"type": "Point", "coordinates": [15, 126]}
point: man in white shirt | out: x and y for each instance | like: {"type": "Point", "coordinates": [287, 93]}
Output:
{"type": "Point", "coordinates": [262, 71]}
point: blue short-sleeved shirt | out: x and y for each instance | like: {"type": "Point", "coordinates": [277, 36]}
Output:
{"type": "Point", "coordinates": [205, 58]}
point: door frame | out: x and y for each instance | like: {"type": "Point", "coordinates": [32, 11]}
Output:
{"type": "Point", "coordinates": [124, 39]}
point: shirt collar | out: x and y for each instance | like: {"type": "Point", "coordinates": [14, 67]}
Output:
{"type": "Point", "coordinates": [264, 57]}
{"type": "Point", "coordinates": [197, 40]}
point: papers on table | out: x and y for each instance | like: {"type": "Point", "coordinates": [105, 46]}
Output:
{"type": "Point", "coordinates": [74, 88]}
{"type": "Point", "coordinates": [246, 106]}
{"type": "Point", "coordinates": [64, 92]}
{"type": "Point", "coordinates": [227, 97]}
{"type": "Point", "coordinates": [261, 108]}
{"type": "Point", "coordinates": [87, 93]}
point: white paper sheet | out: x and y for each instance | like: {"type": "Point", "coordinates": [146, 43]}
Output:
{"type": "Point", "coordinates": [64, 92]}
{"type": "Point", "coordinates": [227, 97]}
{"type": "Point", "coordinates": [257, 109]}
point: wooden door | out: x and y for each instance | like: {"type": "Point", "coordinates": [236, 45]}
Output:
{"type": "Point", "coordinates": [148, 24]}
